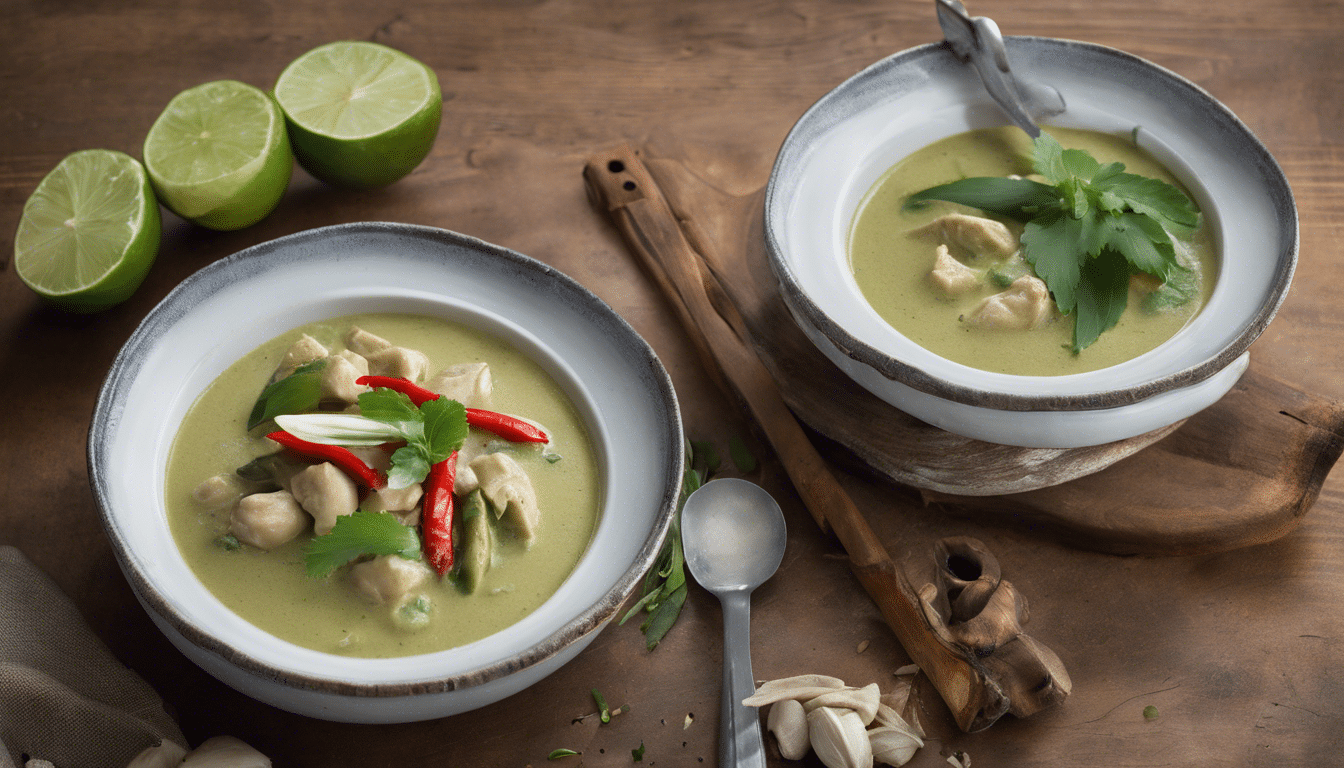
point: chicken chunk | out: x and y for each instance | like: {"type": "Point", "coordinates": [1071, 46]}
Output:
{"type": "Point", "coordinates": [326, 493]}
{"type": "Point", "coordinates": [976, 234]}
{"type": "Point", "coordinates": [389, 579]}
{"type": "Point", "coordinates": [339, 375]}
{"type": "Point", "coordinates": [219, 491]}
{"type": "Point", "coordinates": [508, 488]}
{"type": "Point", "coordinates": [375, 456]}
{"type": "Point", "coordinates": [305, 350]}
{"type": "Point", "coordinates": [1023, 305]}
{"type": "Point", "coordinates": [397, 500]}
{"type": "Point", "coordinates": [364, 343]}
{"type": "Point", "coordinates": [951, 276]}
{"type": "Point", "coordinates": [468, 383]}
{"type": "Point", "coordinates": [399, 361]}
{"type": "Point", "coordinates": [472, 448]}
{"type": "Point", "coordinates": [267, 520]}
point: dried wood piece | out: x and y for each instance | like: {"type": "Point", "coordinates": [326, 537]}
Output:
{"type": "Point", "coordinates": [972, 608]}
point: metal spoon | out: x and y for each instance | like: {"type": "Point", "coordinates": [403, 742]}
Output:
{"type": "Point", "coordinates": [978, 39]}
{"type": "Point", "coordinates": [734, 537]}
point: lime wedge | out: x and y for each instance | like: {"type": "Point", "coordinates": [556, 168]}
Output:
{"type": "Point", "coordinates": [89, 232]}
{"type": "Point", "coordinates": [219, 155]}
{"type": "Point", "coordinates": [360, 114]}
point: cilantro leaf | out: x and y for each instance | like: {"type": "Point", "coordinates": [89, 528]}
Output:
{"type": "Point", "coordinates": [445, 427]}
{"type": "Point", "coordinates": [410, 465]}
{"type": "Point", "coordinates": [1181, 287]}
{"type": "Point", "coordinates": [1050, 246]}
{"type": "Point", "coordinates": [1086, 231]}
{"type": "Point", "coordinates": [393, 408]}
{"type": "Point", "coordinates": [1103, 293]}
{"type": "Point", "coordinates": [1152, 197]}
{"type": "Point", "coordinates": [358, 534]}
{"type": "Point", "coordinates": [298, 392]}
{"type": "Point", "coordinates": [1143, 242]}
{"type": "Point", "coordinates": [432, 431]}
{"type": "Point", "coordinates": [1047, 158]}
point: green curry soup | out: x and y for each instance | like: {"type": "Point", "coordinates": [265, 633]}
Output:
{"type": "Point", "coordinates": [893, 251]}
{"type": "Point", "coordinates": [271, 589]}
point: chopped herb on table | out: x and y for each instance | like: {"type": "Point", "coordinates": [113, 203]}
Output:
{"type": "Point", "coordinates": [665, 584]}
{"type": "Point", "coordinates": [603, 712]}
{"type": "Point", "coordinates": [1087, 230]}
{"type": "Point", "coordinates": [557, 754]}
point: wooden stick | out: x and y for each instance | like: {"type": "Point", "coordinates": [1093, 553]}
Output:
{"type": "Point", "coordinates": [620, 184]}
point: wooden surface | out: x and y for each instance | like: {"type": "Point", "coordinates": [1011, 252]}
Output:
{"type": "Point", "coordinates": [1242, 653]}
{"type": "Point", "coordinates": [1241, 472]}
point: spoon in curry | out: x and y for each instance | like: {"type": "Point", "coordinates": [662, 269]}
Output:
{"type": "Point", "coordinates": [734, 537]}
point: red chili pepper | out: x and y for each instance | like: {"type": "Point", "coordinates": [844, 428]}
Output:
{"type": "Point", "coordinates": [418, 394]}
{"type": "Point", "coordinates": [341, 457]}
{"type": "Point", "coordinates": [505, 426]}
{"type": "Point", "coordinates": [436, 514]}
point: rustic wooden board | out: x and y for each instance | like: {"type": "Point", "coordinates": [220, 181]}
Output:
{"type": "Point", "coordinates": [1241, 472]}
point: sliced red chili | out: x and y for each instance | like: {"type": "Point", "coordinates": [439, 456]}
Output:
{"type": "Point", "coordinates": [501, 424]}
{"type": "Point", "coordinates": [345, 460]}
{"type": "Point", "coordinates": [418, 394]}
{"type": "Point", "coordinates": [436, 514]}
{"type": "Point", "coordinates": [506, 426]}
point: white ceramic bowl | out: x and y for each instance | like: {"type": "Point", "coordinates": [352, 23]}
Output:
{"type": "Point", "coordinates": [848, 139]}
{"type": "Point", "coordinates": [232, 306]}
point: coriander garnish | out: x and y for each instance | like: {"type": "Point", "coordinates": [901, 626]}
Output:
{"type": "Point", "coordinates": [1087, 230]}
{"type": "Point", "coordinates": [361, 533]}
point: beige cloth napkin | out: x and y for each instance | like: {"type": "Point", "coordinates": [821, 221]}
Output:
{"type": "Point", "coordinates": [63, 697]}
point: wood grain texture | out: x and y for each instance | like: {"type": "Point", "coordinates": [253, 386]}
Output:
{"type": "Point", "coordinates": [1242, 652]}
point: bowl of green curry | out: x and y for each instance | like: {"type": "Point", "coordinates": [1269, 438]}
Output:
{"type": "Point", "coordinates": [382, 472]}
{"type": "Point", "coordinates": [1093, 285]}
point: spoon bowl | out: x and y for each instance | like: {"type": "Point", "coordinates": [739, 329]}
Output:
{"type": "Point", "coordinates": [734, 536]}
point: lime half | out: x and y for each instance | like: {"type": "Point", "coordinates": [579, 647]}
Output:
{"type": "Point", "coordinates": [219, 155]}
{"type": "Point", "coordinates": [360, 114]}
{"type": "Point", "coordinates": [89, 232]}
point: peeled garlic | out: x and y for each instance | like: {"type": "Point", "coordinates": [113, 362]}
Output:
{"type": "Point", "coordinates": [788, 722]}
{"type": "Point", "coordinates": [839, 738]}
{"type": "Point", "coordinates": [800, 687]}
{"type": "Point", "coordinates": [893, 745]}
{"type": "Point", "coordinates": [863, 700]}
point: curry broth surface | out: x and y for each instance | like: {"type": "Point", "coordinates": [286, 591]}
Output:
{"type": "Point", "coordinates": [891, 266]}
{"type": "Point", "coordinates": [271, 589]}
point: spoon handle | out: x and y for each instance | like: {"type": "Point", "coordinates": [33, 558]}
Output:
{"type": "Point", "coordinates": [740, 743]}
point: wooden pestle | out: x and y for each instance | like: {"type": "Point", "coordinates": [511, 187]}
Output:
{"type": "Point", "coordinates": [619, 184]}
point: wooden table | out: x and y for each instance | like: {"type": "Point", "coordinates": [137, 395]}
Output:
{"type": "Point", "coordinates": [1242, 653]}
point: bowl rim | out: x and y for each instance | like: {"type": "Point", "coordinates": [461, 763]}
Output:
{"type": "Point", "coordinates": [818, 119]}
{"type": "Point", "coordinates": [211, 279]}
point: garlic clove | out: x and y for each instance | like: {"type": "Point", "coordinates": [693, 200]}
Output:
{"type": "Point", "coordinates": [905, 706]}
{"type": "Point", "coordinates": [800, 687]}
{"type": "Point", "coordinates": [893, 746]}
{"type": "Point", "coordinates": [788, 722]}
{"type": "Point", "coordinates": [863, 700]}
{"type": "Point", "coordinates": [839, 738]}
